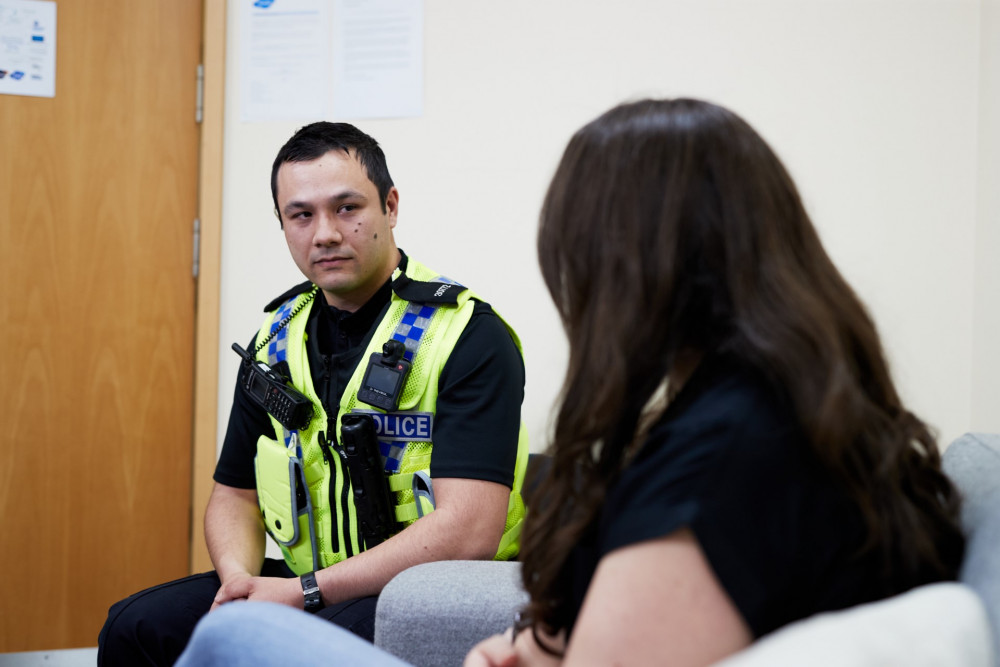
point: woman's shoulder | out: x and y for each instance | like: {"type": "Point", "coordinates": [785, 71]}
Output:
{"type": "Point", "coordinates": [727, 402]}
{"type": "Point", "coordinates": [730, 460]}
{"type": "Point", "coordinates": [729, 416]}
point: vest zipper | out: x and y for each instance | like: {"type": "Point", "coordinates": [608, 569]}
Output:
{"type": "Point", "coordinates": [324, 446]}
{"type": "Point", "coordinates": [345, 491]}
{"type": "Point", "coordinates": [337, 471]}
{"type": "Point", "coordinates": [330, 364]}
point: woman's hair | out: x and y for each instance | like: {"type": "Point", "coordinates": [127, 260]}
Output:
{"type": "Point", "coordinates": [671, 226]}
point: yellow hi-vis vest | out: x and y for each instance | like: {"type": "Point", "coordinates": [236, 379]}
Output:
{"type": "Point", "coordinates": [318, 528]}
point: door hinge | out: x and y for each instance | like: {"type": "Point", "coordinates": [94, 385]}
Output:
{"type": "Point", "coordinates": [199, 109]}
{"type": "Point", "coordinates": [197, 248]}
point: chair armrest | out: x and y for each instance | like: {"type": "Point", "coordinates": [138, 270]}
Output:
{"type": "Point", "coordinates": [973, 464]}
{"type": "Point", "coordinates": [432, 614]}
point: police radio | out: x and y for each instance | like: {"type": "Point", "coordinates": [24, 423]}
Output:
{"type": "Point", "coordinates": [385, 377]}
{"type": "Point", "coordinates": [269, 390]}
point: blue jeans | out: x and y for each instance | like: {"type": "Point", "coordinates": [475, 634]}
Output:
{"type": "Point", "coordinates": [249, 634]}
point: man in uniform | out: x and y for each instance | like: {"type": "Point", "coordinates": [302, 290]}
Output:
{"type": "Point", "coordinates": [383, 355]}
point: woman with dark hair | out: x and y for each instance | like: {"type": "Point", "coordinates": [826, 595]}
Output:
{"type": "Point", "coordinates": [729, 451]}
{"type": "Point", "coordinates": [730, 454]}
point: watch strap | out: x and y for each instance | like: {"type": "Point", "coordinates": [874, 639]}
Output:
{"type": "Point", "coordinates": [310, 593]}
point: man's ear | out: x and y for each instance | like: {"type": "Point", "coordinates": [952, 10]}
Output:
{"type": "Point", "coordinates": [392, 205]}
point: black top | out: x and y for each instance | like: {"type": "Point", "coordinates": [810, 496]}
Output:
{"type": "Point", "coordinates": [729, 461]}
{"type": "Point", "coordinates": [480, 391]}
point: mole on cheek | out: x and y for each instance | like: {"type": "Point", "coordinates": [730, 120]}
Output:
{"type": "Point", "coordinates": [376, 234]}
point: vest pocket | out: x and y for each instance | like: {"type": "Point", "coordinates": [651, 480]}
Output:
{"type": "Point", "coordinates": [276, 486]}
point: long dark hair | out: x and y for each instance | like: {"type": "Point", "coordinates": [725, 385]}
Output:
{"type": "Point", "coordinates": [670, 225]}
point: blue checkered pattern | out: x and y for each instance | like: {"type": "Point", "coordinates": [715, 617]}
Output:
{"type": "Point", "coordinates": [411, 328]}
{"type": "Point", "coordinates": [392, 455]}
{"type": "Point", "coordinates": [277, 349]}
{"type": "Point", "coordinates": [409, 331]}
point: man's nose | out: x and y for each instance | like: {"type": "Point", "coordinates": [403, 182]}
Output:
{"type": "Point", "coordinates": [327, 231]}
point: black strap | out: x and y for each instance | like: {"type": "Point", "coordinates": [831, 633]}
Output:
{"type": "Point", "coordinates": [310, 593]}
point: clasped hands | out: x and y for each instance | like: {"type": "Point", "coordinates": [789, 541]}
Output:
{"type": "Point", "coordinates": [268, 589]}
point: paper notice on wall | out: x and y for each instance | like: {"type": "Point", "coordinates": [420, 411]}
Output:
{"type": "Point", "coordinates": [284, 60]}
{"type": "Point", "coordinates": [28, 47]}
{"type": "Point", "coordinates": [378, 58]}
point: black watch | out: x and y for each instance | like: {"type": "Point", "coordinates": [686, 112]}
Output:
{"type": "Point", "coordinates": [310, 592]}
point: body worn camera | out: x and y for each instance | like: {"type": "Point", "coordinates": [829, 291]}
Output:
{"type": "Point", "coordinates": [385, 377]}
{"type": "Point", "coordinates": [269, 390]}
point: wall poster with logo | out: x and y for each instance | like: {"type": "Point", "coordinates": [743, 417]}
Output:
{"type": "Point", "coordinates": [284, 60]}
{"type": "Point", "coordinates": [28, 47]}
{"type": "Point", "coordinates": [347, 59]}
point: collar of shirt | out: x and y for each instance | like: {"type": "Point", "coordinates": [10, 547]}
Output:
{"type": "Point", "coordinates": [339, 331]}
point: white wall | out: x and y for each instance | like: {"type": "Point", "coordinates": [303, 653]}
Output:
{"type": "Point", "coordinates": [986, 350]}
{"type": "Point", "coordinates": [875, 106]}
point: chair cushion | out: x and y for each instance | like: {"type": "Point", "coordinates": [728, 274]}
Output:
{"type": "Point", "coordinates": [937, 624]}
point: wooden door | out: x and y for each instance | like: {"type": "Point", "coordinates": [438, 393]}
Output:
{"type": "Point", "coordinates": [98, 191]}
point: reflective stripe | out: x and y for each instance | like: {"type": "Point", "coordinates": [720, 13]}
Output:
{"type": "Point", "coordinates": [411, 328]}
{"type": "Point", "coordinates": [407, 512]}
{"type": "Point", "coordinates": [277, 349]}
{"type": "Point", "coordinates": [401, 481]}
{"type": "Point", "coordinates": [416, 319]}
{"type": "Point", "coordinates": [392, 455]}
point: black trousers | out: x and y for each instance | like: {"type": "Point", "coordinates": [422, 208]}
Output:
{"type": "Point", "coordinates": [153, 626]}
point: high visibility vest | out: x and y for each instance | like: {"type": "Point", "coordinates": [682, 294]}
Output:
{"type": "Point", "coordinates": [318, 526]}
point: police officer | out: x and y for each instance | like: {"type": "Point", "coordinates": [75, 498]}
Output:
{"type": "Point", "coordinates": [371, 332]}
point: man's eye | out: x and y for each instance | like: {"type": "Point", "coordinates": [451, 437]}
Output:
{"type": "Point", "coordinates": [347, 208]}
{"type": "Point", "coordinates": [301, 215]}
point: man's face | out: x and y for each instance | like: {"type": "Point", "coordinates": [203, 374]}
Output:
{"type": "Point", "coordinates": [335, 228]}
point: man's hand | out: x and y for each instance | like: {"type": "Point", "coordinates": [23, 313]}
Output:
{"type": "Point", "coordinates": [236, 587]}
{"type": "Point", "coordinates": [267, 589]}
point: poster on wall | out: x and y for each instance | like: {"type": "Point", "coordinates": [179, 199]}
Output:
{"type": "Point", "coordinates": [378, 58]}
{"type": "Point", "coordinates": [284, 60]}
{"type": "Point", "coordinates": [303, 60]}
{"type": "Point", "coordinates": [28, 48]}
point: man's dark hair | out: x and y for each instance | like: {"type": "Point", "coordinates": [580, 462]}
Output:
{"type": "Point", "coordinates": [317, 139]}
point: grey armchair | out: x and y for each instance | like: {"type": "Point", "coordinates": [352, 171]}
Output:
{"type": "Point", "coordinates": [432, 614]}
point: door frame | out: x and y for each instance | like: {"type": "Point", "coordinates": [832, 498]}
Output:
{"type": "Point", "coordinates": [206, 342]}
